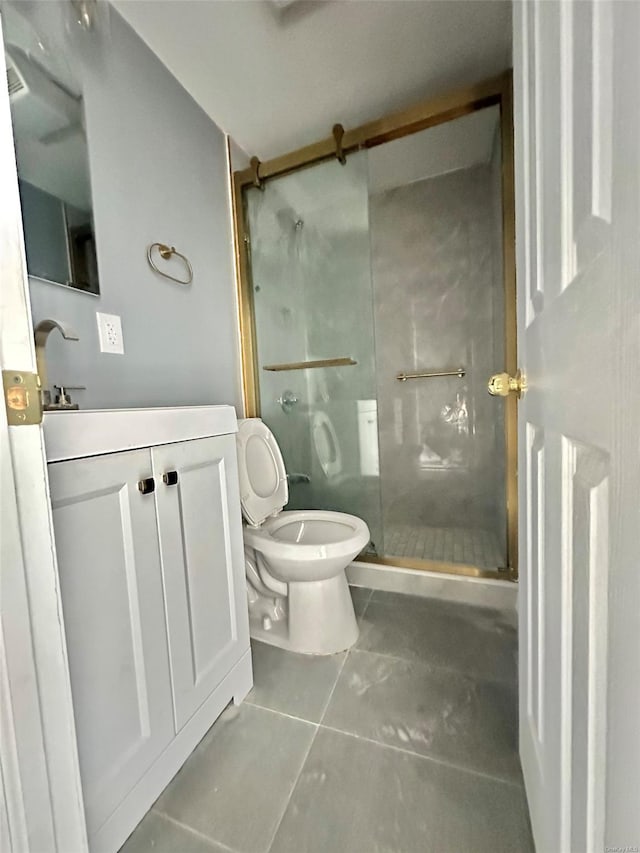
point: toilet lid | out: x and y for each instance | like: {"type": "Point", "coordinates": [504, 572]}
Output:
{"type": "Point", "coordinates": [326, 443]}
{"type": "Point", "coordinates": [263, 479]}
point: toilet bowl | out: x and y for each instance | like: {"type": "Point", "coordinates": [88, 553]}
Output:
{"type": "Point", "coordinates": [295, 560]}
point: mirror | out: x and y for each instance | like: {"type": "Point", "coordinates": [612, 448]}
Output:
{"type": "Point", "coordinates": [52, 157]}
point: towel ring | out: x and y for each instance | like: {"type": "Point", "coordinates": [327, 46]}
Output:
{"type": "Point", "coordinates": [166, 252]}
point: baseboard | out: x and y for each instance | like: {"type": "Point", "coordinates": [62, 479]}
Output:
{"type": "Point", "coordinates": [481, 592]}
{"type": "Point", "coordinates": [117, 828]}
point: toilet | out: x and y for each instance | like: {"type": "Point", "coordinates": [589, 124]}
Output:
{"type": "Point", "coordinates": [295, 561]}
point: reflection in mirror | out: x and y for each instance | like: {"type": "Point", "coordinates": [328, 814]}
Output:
{"type": "Point", "coordinates": [52, 158]}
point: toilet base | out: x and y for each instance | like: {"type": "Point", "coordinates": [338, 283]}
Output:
{"type": "Point", "coordinates": [320, 619]}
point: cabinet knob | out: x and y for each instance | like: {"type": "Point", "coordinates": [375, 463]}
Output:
{"type": "Point", "coordinates": [170, 478]}
{"type": "Point", "coordinates": [147, 485]}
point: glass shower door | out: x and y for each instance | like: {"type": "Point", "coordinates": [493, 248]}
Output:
{"type": "Point", "coordinates": [438, 288]}
{"type": "Point", "coordinates": [312, 295]}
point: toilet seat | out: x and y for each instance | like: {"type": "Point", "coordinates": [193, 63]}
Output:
{"type": "Point", "coordinates": [264, 490]}
{"type": "Point", "coordinates": [305, 538]}
{"type": "Point", "coordinates": [309, 540]}
{"type": "Point", "coordinates": [308, 534]}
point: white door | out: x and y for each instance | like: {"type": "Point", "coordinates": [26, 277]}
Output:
{"type": "Point", "coordinates": [41, 799]}
{"type": "Point", "coordinates": [577, 74]}
{"type": "Point", "coordinates": [109, 563]}
{"type": "Point", "coordinates": [203, 565]}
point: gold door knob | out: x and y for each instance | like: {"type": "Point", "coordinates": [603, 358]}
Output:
{"type": "Point", "coordinates": [501, 384]}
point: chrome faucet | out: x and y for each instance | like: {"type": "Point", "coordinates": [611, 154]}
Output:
{"type": "Point", "coordinates": [41, 334]}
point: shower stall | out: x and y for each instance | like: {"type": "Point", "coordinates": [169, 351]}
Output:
{"type": "Point", "coordinates": [377, 300]}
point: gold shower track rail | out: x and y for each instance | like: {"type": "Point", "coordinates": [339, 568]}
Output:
{"type": "Point", "coordinates": [305, 365]}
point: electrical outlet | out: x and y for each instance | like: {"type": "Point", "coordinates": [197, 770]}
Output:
{"type": "Point", "coordinates": [110, 333]}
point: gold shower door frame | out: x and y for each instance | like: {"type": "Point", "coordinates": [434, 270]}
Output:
{"type": "Point", "coordinates": [497, 91]}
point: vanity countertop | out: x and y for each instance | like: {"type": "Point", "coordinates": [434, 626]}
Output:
{"type": "Point", "coordinates": [93, 432]}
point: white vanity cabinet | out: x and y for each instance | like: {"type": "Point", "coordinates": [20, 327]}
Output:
{"type": "Point", "coordinates": [198, 516]}
{"type": "Point", "coordinates": [150, 555]}
{"type": "Point", "coordinates": [111, 585]}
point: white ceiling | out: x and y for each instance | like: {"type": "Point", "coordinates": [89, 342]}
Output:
{"type": "Point", "coordinates": [278, 77]}
{"type": "Point", "coordinates": [457, 144]}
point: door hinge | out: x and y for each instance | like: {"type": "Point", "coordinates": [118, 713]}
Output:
{"type": "Point", "coordinates": [22, 397]}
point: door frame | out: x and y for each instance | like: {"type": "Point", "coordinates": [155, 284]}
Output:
{"type": "Point", "coordinates": [497, 91]}
{"type": "Point", "coordinates": [40, 788]}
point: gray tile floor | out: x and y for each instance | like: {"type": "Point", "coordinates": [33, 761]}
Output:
{"type": "Point", "coordinates": [471, 546]}
{"type": "Point", "coordinates": [405, 744]}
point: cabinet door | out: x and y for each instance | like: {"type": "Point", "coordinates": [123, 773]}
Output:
{"type": "Point", "coordinates": [203, 565]}
{"type": "Point", "coordinates": [109, 563]}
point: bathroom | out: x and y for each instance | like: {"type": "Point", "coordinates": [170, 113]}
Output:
{"type": "Point", "coordinates": [265, 421]}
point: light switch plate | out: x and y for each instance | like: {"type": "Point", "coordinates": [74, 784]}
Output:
{"type": "Point", "coordinates": [110, 333]}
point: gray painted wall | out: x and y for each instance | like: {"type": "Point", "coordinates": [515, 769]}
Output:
{"type": "Point", "coordinates": [159, 173]}
{"type": "Point", "coordinates": [239, 157]}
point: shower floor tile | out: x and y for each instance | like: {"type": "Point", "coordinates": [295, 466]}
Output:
{"type": "Point", "coordinates": [408, 745]}
{"type": "Point", "coordinates": [471, 546]}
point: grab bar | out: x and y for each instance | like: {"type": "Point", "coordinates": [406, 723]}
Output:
{"type": "Point", "coordinates": [304, 365]}
{"type": "Point", "coordinates": [460, 372]}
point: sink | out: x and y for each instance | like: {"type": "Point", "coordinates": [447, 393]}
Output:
{"type": "Point", "coordinates": [93, 432]}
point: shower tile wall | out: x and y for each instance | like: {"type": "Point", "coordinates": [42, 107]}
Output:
{"type": "Point", "coordinates": [437, 283]}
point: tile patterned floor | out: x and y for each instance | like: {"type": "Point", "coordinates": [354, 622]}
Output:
{"type": "Point", "coordinates": [471, 546]}
{"type": "Point", "coordinates": [405, 744]}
